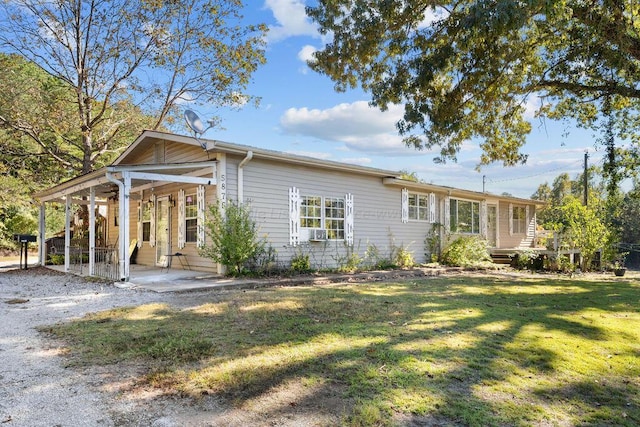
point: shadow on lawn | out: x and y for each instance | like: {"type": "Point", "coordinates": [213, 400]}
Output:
{"type": "Point", "coordinates": [456, 351]}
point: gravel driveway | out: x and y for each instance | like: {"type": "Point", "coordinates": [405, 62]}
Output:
{"type": "Point", "coordinates": [35, 387]}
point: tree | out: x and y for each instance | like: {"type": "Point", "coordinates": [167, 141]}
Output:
{"type": "Point", "coordinates": [47, 148]}
{"type": "Point", "coordinates": [114, 56]}
{"type": "Point", "coordinates": [630, 224]}
{"type": "Point", "coordinates": [582, 228]}
{"type": "Point", "coordinates": [471, 71]}
{"type": "Point", "coordinates": [410, 176]}
{"type": "Point", "coordinates": [543, 193]}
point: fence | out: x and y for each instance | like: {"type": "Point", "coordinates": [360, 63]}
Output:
{"type": "Point", "coordinates": [106, 263]}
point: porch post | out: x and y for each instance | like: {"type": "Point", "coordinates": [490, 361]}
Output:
{"type": "Point", "coordinates": [124, 226]}
{"type": "Point", "coordinates": [221, 193]}
{"type": "Point", "coordinates": [92, 231]}
{"type": "Point", "coordinates": [42, 252]}
{"type": "Point", "coordinates": [67, 232]}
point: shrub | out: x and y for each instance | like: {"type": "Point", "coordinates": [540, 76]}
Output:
{"type": "Point", "coordinates": [234, 237]}
{"type": "Point", "coordinates": [374, 259]}
{"type": "Point", "coordinates": [300, 263]}
{"type": "Point", "coordinates": [403, 257]}
{"type": "Point", "coordinates": [56, 259]}
{"type": "Point", "coordinates": [527, 259]}
{"type": "Point", "coordinates": [466, 252]}
{"type": "Point", "coordinates": [433, 243]}
{"type": "Point", "coordinates": [350, 261]}
{"type": "Point", "coordinates": [264, 262]}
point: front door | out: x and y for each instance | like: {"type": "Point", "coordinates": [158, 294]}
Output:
{"type": "Point", "coordinates": [163, 226]}
{"type": "Point", "coordinates": [492, 225]}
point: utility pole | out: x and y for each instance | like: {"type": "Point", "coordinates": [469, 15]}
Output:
{"type": "Point", "coordinates": [586, 179]}
{"type": "Point", "coordinates": [484, 182]}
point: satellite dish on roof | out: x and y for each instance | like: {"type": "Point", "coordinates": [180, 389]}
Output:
{"type": "Point", "coordinates": [196, 125]}
{"type": "Point", "coordinates": [194, 122]}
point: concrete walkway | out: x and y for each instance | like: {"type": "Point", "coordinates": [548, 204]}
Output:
{"type": "Point", "coordinates": [175, 280]}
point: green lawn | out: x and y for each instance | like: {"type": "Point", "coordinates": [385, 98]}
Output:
{"type": "Point", "coordinates": [457, 350]}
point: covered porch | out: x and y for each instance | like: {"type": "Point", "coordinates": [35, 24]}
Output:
{"type": "Point", "coordinates": [121, 186]}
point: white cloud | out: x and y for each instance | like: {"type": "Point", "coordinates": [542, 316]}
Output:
{"type": "Point", "coordinates": [359, 126]}
{"type": "Point", "coordinates": [184, 99]}
{"type": "Point", "coordinates": [292, 20]}
{"type": "Point", "coordinates": [306, 53]}
{"type": "Point", "coordinates": [432, 15]}
{"type": "Point", "coordinates": [531, 106]}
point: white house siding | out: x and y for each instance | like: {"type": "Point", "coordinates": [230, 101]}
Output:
{"type": "Point", "coordinates": [377, 210]}
{"type": "Point", "coordinates": [515, 240]}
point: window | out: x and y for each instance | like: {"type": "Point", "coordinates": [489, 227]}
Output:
{"type": "Point", "coordinates": [146, 221]}
{"type": "Point", "coordinates": [334, 218]}
{"type": "Point", "coordinates": [519, 219]}
{"type": "Point", "coordinates": [311, 212]}
{"type": "Point", "coordinates": [464, 216]}
{"type": "Point", "coordinates": [191, 217]}
{"type": "Point", "coordinates": [418, 207]}
{"type": "Point", "coordinates": [326, 213]}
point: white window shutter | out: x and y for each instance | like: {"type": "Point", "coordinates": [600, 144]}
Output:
{"type": "Point", "coordinates": [201, 206]}
{"type": "Point", "coordinates": [294, 216]}
{"type": "Point", "coordinates": [348, 219]}
{"type": "Point", "coordinates": [152, 232]}
{"type": "Point", "coordinates": [432, 208]}
{"type": "Point", "coordinates": [483, 219]}
{"type": "Point", "coordinates": [447, 214]}
{"type": "Point", "coordinates": [139, 234]}
{"type": "Point", "coordinates": [510, 219]}
{"type": "Point", "coordinates": [526, 210]}
{"type": "Point", "coordinates": [405, 206]}
{"type": "Point", "coordinates": [181, 220]}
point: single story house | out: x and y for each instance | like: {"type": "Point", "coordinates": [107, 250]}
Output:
{"type": "Point", "coordinates": [157, 192]}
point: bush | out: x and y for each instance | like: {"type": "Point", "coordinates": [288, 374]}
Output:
{"type": "Point", "coordinates": [373, 259]}
{"type": "Point", "coordinates": [466, 252]}
{"type": "Point", "coordinates": [300, 263]}
{"type": "Point", "coordinates": [403, 257]}
{"type": "Point", "coordinates": [527, 259]}
{"type": "Point", "coordinates": [433, 243]}
{"type": "Point", "coordinates": [234, 237]}
{"type": "Point", "coordinates": [264, 262]}
{"type": "Point", "coordinates": [56, 259]}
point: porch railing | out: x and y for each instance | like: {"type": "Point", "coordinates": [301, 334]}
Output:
{"type": "Point", "coordinates": [106, 262]}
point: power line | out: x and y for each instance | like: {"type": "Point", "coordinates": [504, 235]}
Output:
{"type": "Point", "coordinates": [536, 174]}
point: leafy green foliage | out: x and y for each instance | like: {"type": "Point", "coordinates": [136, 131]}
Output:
{"type": "Point", "coordinates": [433, 242]}
{"type": "Point", "coordinates": [581, 227]}
{"type": "Point", "coordinates": [300, 263]}
{"type": "Point", "coordinates": [466, 251]}
{"type": "Point", "coordinates": [233, 235]}
{"type": "Point", "coordinates": [468, 68]}
{"type": "Point", "coordinates": [403, 257]}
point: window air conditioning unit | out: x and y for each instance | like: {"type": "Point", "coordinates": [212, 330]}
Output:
{"type": "Point", "coordinates": [318, 235]}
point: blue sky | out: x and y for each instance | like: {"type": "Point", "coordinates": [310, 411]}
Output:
{"type": "Point", "coordinates": [301, 113]}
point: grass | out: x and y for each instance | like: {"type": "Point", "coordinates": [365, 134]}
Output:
{"type": "Point", "coordinates": [476, 351]}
